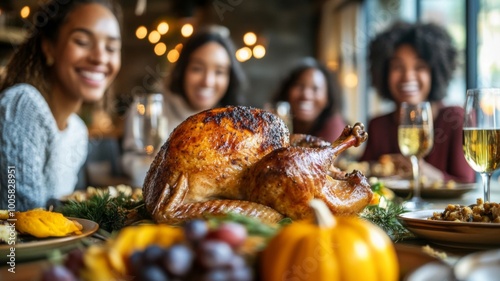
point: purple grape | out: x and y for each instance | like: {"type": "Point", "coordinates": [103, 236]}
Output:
{"type": "Point", "coordinates": [195, 230]}
{"type": "Point", "coordinates": [216, 275]}
{"type": "Point", "coordinates": [135, 262]}
{"type": "Point", "coordinates": [178, 259]}
{"type": "Point", "coordinates": [74, 261]}
{"type": "Point", "coordinates": [58, 273]}
{"type": "Point", "coordinates": [237, 261]}
{"type": "Point", "coordinates": [152, 273]}
{"type": "Point", "coordinates": [153, 254]}
{"type": "Point", "coordinates": [243, 273]}
{"type": "Point", "coordinates": [214, 253]}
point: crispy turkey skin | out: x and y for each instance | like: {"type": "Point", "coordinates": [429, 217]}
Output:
{"type": "Point", "coordinates": [288, 178]}
{"type": "Point", "coordinates": [239, 159]}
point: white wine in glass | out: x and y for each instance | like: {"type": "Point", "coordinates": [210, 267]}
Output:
{"type": "Point", "coordinates": [415, 140]}
{"type": "Point", "coordinates": [481, 133]}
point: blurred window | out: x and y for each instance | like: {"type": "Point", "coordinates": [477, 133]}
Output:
{"type": "Point", "coordinates": [488, 43]}
{"type": "Point", "coordinates": [474, 26]}
{"type": "Point", "coordinates": [484, 64]}
{"type": "Point", "coordinates": [451, 15]}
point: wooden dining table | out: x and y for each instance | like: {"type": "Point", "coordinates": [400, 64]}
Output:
{"type": "Point", "coordinates": [32, 269]}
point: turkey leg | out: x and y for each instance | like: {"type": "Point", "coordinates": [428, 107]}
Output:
{"type": "Point", "coordinates": [288, 178]}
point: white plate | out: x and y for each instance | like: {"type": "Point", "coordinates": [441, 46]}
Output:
{"type": "Point", "coordinates": [39, 247]}
{"type": "Point", "coordinates": [402, 188]}
{"type": "Point", "coordinates": [466, 235]}
{"type": "Point", "coordinates": [478, 266]}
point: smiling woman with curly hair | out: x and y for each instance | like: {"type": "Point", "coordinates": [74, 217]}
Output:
{"type": "Point", "coordinates": [71, 57]}
{"type": "Point", "coordinates": [414, 63]}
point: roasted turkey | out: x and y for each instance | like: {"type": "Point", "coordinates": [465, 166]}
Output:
{"type": "Point", "coordinates": [243, 160]}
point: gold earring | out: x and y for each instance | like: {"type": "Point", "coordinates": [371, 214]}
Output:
{"type": "Point", "coordinates": [50, 61]}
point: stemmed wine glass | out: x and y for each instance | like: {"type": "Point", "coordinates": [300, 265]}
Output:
{"type": "Point", "coordinates": [415, 139]}
{"type": "Point", "coordinates": [481, 133]}
{"type": "Point", "coordinates": [149, 123]}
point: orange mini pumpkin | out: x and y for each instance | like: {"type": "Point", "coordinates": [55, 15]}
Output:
{"type": "Point", "coordinates": [333, 248]}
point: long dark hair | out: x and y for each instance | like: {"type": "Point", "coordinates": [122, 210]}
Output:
{"type": "Point", "coordinates": [432, 44]}
{"type": "Point", "coordinates": [28, 64]}
{"type": "Point", "coordinates": [200, 38]}
{"type": "Point", "coordinates": [333, 89]}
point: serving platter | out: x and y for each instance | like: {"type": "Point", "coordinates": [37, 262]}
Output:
{"type": "Point", "coordinates": [30, 248]}
{"type": "Point", "coordinates": [465, 235]}
{"type": "Point", "coordinates": [401, 187]}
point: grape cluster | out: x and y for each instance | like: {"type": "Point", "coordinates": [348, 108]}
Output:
{"type": "Point", "coordinates": [207, 254]}
{"type": "Point", "coordinates": [67, 271]}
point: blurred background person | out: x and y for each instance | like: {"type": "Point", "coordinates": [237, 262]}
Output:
{"type": "Point", "coordinates": [207, 75]}
{"type": "Point", "coordinates": [315, 99]}
{"type": "Point", "coordinates": [414, 63]}
{"type": "Point", "coordinates": [71, 57]}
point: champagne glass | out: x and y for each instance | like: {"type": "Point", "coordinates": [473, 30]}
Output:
{"type": "Point", "coordinates": [415, 139]}
{"type": "Point", "coordinates": [481, 133]}
{"type": "Point", "coordinates": [149, 123]}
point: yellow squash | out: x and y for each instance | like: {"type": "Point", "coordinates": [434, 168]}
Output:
{"type": "Point", "coordinates": [340, 248]}
{"type": "Point", "coordinates": [41, 223]}
{"type": "Point", "coordinates": [109, 261]}
{"type": "Point", "coordinates": [135, 238]}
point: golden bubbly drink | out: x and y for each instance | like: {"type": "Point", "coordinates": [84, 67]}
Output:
{"type": "Point", "coordinates": [481, 149]}
{"type": "Point", "coordinates": [415, 140]}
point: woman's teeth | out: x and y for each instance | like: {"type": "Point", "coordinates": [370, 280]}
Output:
{"type": "Point", "coordinates": [205, 93]}
{"type": "Point", "coordinates": [409, 87]}
{"type": "Point", "coordinates": [306, 105]}
{"type": "Point", "coordinates": [96, 76]}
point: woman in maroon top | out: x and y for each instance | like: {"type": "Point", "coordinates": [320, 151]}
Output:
{"type": "Point", "coordinates": [315, 100]}
{"type": "Point", "coordinates": [414, 63]}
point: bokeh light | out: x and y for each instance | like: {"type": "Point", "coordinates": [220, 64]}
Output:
{"type": "Point", "coordinates": [332, 65]}
{"type": "Point", "coordinates": [259, 51]}
{"type": "Point", "coordinates": [250, 38]}
{"type": "Point", "coordinates": [187, 29]}
{"type": "Point", "coordinates": [25, 12]}
{"type": "Point", "coordinates": [141, 32]}
{"type": "Point", "coordinates": [351, 80]}
{"type": "Point", "coordinates": [154, 37]}
{"type": "Point", "coordinates": [160, 49]}
{"type": "Point", "coordinates": [141, 109]}
{"type": "Point", "coordinates": [162, 27]}
{"type": "Point", "coordinates": [173, 55]}
{"type": "Point", "coordinates": [243, 54]}
{"type": "Point", "coordinates": [149, 149]}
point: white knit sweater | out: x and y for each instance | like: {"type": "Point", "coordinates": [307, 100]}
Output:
{"type": "Point", "coordinates": [46, 160]}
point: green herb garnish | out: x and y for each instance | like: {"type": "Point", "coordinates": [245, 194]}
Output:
{"type": "Point", "coordinates": [111, 213]}
{"type": "Point", "coordinates": [253, 225]}
{"type": "Point", "coordinates": [386, 218]}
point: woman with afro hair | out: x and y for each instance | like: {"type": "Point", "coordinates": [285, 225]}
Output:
{"type": "Point", "coordinates": [414, 63]}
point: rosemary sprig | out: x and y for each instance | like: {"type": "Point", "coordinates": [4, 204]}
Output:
{"type": "Point", "coordinates": [111, 213]}
{"type": "Point", "coordinates": [386, 218]}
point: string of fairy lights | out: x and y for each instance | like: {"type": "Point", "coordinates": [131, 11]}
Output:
{"type": "Point", "coordinates": [252, 45]}
{"type": "Point", "coordinates": [251, 49]}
